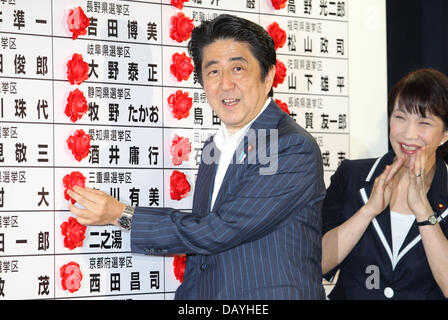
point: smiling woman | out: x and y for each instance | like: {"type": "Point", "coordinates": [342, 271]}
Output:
{"type": "Point", "coordinates": [418, 115]}
{"type": "Point", "coordinates": [400, 227]}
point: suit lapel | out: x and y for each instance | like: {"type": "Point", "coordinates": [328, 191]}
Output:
{"type": "Point", "coordinates": [230, 173]}
{"type": "Point", "coordinates": [204, 182]}
{"type": "Point", "coordinates": [411, 239]}
{"type": "Point", "coordinates": [268, 119]}
{"type": "Point", "coordinates": [437, 196]}
{"type": "Point", "coordinates": [381, 223]}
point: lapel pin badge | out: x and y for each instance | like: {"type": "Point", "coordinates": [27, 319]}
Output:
{"type": "Point", "coordinates": [441, 206]}
{"type": "Point", "coordinates": [244, 155]}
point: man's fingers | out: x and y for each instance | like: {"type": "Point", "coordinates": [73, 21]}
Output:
{"type": "Point", "coordinates": [92, 197]}
{"type": "Point", "coordinates": [81, 198]}
{"type": "Point", "coordinates": [82, 213]}
{"type": "Point", "coordinates": [83, 216]}
{"type": "Point", "coordinates": [84, 222]}
{"type": "Point", "coordinates": [88, 193]}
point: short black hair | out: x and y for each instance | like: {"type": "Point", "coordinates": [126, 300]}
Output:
{"type": "Point", "coordinates": [225, 27]}
{"type": "Point", "coordinates": [420, 92]}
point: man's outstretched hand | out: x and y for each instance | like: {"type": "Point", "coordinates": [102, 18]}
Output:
{"type": "Point", "coordinates": [100, 208]}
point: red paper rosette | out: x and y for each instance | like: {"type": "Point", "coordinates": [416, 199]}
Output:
{"type": "Point", "coordinates": [277, 34]}
{"type": "Point", "coordinates": [181, 27]}
{"type": "Point", "coordinates": [280, 73]}
{"type": "Point", "coordinates": [179, 267]}
{"type": "Point", "coordinates": [71, 276]}
{"type": "Point", "coordinates": [179, 186]}
{"type": "Point", "coordinates": [180, 150]}
{"type": "Point", "coordinates": [282, 105]}
{"type": "Point", "coordinates": [77, 69]}
{"type": "Point", "coordinates": [179, 4]}
{"type": "Point", "coordinates": [73, 232]}
{"type": "Point", "coordinates": [76, 105]}
{"type": "Point", "coordinates": [181, 67]}
{"type": "Point", "coordinates": [79, 144]}
{"type": "Point", "coordinates": [77, 22]}
{"type": "Point", "coordinates": [180, 104]}
{"type": "Point", "coordinates": [75, 178]}
{"type": "Point", "coordinates": [278, 4]}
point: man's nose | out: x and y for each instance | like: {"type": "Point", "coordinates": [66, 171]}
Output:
{"type": "Point", "coordinates": [227, 82]}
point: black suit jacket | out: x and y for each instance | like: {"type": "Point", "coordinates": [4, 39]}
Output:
{"type": "Point", "coordinates": [410, 276]}
{"type": "Point", "coordinates": [261, 239]}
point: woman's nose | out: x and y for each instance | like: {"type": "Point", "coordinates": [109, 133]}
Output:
{"type": "Point", "coordinates": [411, 130]}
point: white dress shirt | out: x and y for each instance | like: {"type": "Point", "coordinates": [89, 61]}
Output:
{"type": "Point", "coordinates": [227, 144]}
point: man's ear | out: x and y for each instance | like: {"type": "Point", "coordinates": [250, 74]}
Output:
{"type": "Point", "coordinates": [269, 79]}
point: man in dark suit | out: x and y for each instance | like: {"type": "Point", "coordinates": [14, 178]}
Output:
{"type": "Point", "coordinates": [254, 230]}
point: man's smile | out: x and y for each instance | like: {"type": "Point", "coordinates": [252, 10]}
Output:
{"type": "Point", "coordinates": [230, 102]}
